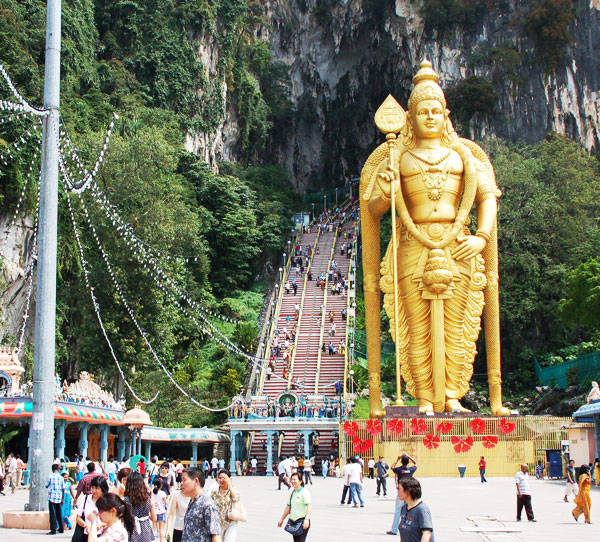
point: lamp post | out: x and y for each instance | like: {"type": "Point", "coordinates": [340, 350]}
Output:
{"type": "Point", "coordinates": [281, 270]}
{"type": "Point", "coordinates": [284, 259]}
{"type": "Point", "coordinates": [324, 202]}
{"type": "Point", "coordinates": [351, 373]}
{"type": "Point", "coordinates": [313, 209]}
{"type": "Point", "coordinates": [336, 201]}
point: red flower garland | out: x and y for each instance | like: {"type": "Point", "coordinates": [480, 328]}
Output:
{"type": "Point", "coordinates": [489, 441]}
{"type": "Point", "coordinates": [360, 446]}
{"type": "Point", "coordinates": [506, 427]}
{"type": "Point", "coordinates": [351, 428]}
{"type": "Point", "coordinates": [444, 427]}
{"type": "Point", "coordinates": [418, 426]}
{"type": "Point", "coordinates": [462, 445]}
{"type": "Point", "coordinates": [395, 426]}
{"type": "Point", "coordinates": [374, 427]}
{"type": "Point", "coordinates": [431, 441]}
{"type": "Point", "coordinates": [477, 425]}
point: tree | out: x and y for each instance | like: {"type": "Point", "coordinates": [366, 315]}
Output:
{"type": "Point", "coordinates": [581, 305]}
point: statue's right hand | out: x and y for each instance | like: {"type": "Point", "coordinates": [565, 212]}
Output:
{"type": "Point", "coordinates": [385, 180]}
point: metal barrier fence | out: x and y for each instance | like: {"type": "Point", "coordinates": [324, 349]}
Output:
{"type": "Point", "coordinates": [580, 370]}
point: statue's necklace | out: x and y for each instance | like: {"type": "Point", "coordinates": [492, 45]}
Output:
{"type": "Point", "coordinates": [435, 177]}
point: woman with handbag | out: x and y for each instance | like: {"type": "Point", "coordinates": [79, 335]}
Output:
{"type": "Point", "coordinates": [231, 510]}
{"type": "Point", "coordinates": [87, 512]}
{"type": "Point", "coordinates": [299, 509]}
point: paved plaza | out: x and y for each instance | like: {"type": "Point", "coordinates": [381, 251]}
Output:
{"type": "Point", "coordinates": [458, 505]}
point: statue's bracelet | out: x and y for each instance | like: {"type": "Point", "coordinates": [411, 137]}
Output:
{"type": "Point", "coordinates": [483, 234]}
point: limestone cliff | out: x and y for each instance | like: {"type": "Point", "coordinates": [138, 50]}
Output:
{"type": "Point", "coordinates": [344, 56]}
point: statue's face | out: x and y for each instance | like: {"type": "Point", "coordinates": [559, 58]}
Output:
{"type": "Point", "coordinates": [428, 119]}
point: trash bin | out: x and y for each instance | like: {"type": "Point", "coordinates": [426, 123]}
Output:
{"type": "Point", "coordinates": [462, 469]}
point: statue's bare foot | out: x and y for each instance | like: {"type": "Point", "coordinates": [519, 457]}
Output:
{"type": "Point", "coordinates": [500, 410]}
{"type": "Point", "coordinates": [453, 405]}
{"type": "Point", "coordinates": [425, 406]}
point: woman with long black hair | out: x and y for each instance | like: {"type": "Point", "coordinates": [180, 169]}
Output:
{"type": "Point", "coordinates": [138, 497]}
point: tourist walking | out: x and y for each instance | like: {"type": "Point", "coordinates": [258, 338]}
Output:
{"type": "Point", "coordinates": [178, 506]}
{"type": "Point", "coordinates": [355, 476]}
{"type": "Point", "coordinates": [597, 471]}
{"type": "Point", "coordinates": [324, 467]}
{"type": "Point", "coordinates": [167, 478]}
{"type": "Point", "coordinates": [571, 485]}
{"type": "Point", "coordinates": [382, 469]}
{"type": "Point", "coordinates": [122, 475]}
{"type": "Point", "coordinates": [523, 493]}
{"type": "Point", "coordinates": [67, 503]}
{"type": "Point", "coordinates": [2, 477]}
{"type": "Point", "coordinates": [284, 472]}
{"type": "Point", "coordinates": [225, 495]}
{"type": "Point", "coordinates": [308, 470]}
{"type": "Point", "coordinates": [159, 502]}
{"type": "Point", "coordinates": [201, 522]}
{"type": "Point", "coordinates": [371, 466]}
{"type": "Point", "coordinates": [56, 489]}
{"type": "Point", "coordinates": [116, 516]}
{"type": "Point", "coordinates": [416, 523]}
{"type": "Point", "coordinates": [583, 499]}
{"type": "Point", "coordinates": [138, 497]}
{"type": "Point", "coordinates": [299, 509]}
{"type": "Point", "coordinates": [482, 465]}
{"type": "Point", "coordinates": [11, 472]}
{"type": "Point", "coordinates": [86, 509]}
{"type": "Point", "coordinates": [401, 472]}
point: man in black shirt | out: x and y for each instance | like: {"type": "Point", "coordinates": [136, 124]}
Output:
{"type": "Point", "coordinates": [402, 471]}
{"type": "Point", "coordinates": [381, 468]}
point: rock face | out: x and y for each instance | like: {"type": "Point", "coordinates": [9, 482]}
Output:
{"type": "Point", "coordinates": [344, 56]}
{"type": "Point", "coordinates": [16, 252]}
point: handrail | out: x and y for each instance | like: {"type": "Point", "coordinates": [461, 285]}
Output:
{"type": "Point", "coordinates": [291, 371]}
{"type": "Point", "coordinates": [276, 313]}
{"type": "Point", "coordinates": [350, 319]}
{"type": "Point", "coordinates": [318, 371]}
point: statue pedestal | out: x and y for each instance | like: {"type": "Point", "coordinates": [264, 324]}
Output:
{"type": "Point", "coordinates": [393, 411]}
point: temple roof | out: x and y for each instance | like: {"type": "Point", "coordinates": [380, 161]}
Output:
{"type": "Point", "coordinates": [21, 407]}
{"type": "Point", "coordinates": [586, 412]}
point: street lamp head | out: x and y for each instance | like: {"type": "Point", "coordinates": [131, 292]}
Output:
{"type": "Point", "coordinates": [351, 372]}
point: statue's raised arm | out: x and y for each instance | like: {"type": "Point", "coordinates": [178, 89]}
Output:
{"type": "Point", "coordinates": [437, 274]}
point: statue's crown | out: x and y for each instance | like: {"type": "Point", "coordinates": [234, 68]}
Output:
{"type": "Point", "coordinates": [425, 73]}
{"type": "Point", "coordinates": [426, 87]}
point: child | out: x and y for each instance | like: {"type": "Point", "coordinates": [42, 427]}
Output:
{"type": "Point", "coordinates": [117, 518]}
{"type": "Point", "coordinates": [159, 501]}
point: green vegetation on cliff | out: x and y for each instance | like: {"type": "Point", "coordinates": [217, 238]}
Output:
{"type": "Point", "coordinates": [141, 60]}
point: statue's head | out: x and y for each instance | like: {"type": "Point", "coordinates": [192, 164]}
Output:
{"type": "Point", "coordinates": [428, 115]}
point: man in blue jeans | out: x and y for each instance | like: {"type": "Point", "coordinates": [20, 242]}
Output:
{"type": "Point", "coordinates": [354, 480]}
{"type": "Point", "coordinates": [56, 487]}
{"type": "Point", "coordinates": [403, 471]}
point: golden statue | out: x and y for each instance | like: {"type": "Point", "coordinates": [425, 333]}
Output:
{"type": "Point", "coordinates": [440, 274]}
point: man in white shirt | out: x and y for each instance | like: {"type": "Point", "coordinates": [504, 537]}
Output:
{"type": "Point", "coordinates": [523, 493]}
{"type": "Point", "coordinates": [282, 470]}
{"type": "Point", "coordinates": [254, 464]}
{"type": "Point", "coordinates": [214, 464]}
{"type": "Point", "coordinates": [344, 476]}
{"type": "Point", "coordinates": [11, 471]}
{"type": "Point", "coordinates": [81, 469]}
{"type": "Point", "coordinates": [371, 468]}
{"type": "Point", "coordinates": [354, 478]}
